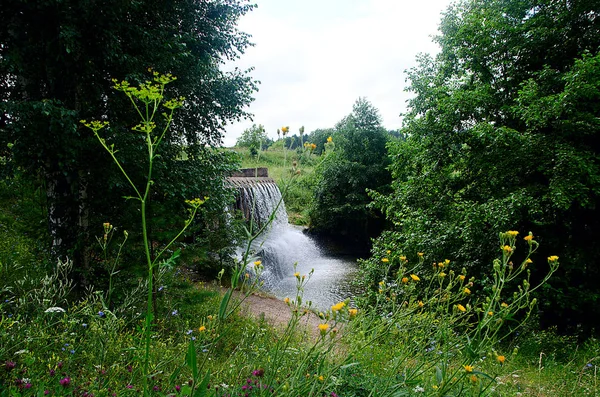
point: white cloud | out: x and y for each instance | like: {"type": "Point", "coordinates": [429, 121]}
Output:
{"type": "Point", "coordinates": [315, 58]}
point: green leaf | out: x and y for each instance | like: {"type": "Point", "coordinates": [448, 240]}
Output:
{"type": "Point", "coordinates": [191, 361]}
{"type": "Point", "coordinates": [224, 304]}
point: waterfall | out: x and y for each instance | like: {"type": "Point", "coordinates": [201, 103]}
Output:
{"type": "Point", "coordinates": [282, 246]}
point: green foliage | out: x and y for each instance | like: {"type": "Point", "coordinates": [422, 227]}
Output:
{"type": "Point", "coordinates": [357, 164]}
{"type": "Point", "coordinates": [56, 65]}
{"type": "Point", "coordinates": [503, 133]}
{"type": "Point", "coordinates": [254, 137]}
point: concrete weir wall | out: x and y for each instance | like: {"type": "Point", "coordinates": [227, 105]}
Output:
{"type": "Point", "coordinates": [258, 196]}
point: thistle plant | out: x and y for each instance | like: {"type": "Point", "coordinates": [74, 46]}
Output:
{"type": "Point", "coordinates": [147, 100]}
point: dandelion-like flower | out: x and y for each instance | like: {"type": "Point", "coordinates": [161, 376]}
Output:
{"type": "Point", "coordinates": [442, 275]}
{"type": "Point", "coordinates": [329, 139]}
{"type": "Point", "coordinates": [420, 254]}
{"type": "Point", "coordinates": [352, 312]}
{"type": "Point", "coordinates": [501, 359]}
{"type": "Point", "coordinates": [421, 304]}
{"type": "Point", "coordinates": [202, 328]}
{"type": "Point", "coordinates": [552, 258]}
{"type": "Point", "coordinates": [257, 263]}
{"type": "Point", "coordinates": [512, 233]}
{"type": "Point", "coordinates": [461, 308]}
{"type": "Point", "coordinates": [287, 300]}
{"type": "Point", "coordinates": [507, 249]}
{"type": "Point", "coordinates": [468, 368]}
{"type": "Point", "coordinates": [405, 280]}
{"type": "Point", "coordinates": [528, 238]}
{"type": "Point", "coordinates": [467, 291]}
{"type": "Point", "coordinates": [415, 277]}
{"type": "Point", "coordinates": [337, 307]}
{"type": "Point", "coordinates": [297, 274]}
{"type": "Point", "coordinates": [323, 328]}
{"type": "Point", "coordinates": [385, 260]}
{"type": "Point", "coordinates": [504, 304]}
{"type": "Point", "coordinates": [462, 277]}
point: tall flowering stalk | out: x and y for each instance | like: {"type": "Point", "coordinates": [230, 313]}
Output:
{"type": "Point", "coordinates": [147, 99]}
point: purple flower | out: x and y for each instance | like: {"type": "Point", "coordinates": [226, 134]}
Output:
{"type": "Point", "coordinates": [65, 382]}
{"type": "Point", "coordinates": [10, 365]}
{"type": "Point", "coordinates": [177, 388]}
{"type": "Point", "coordinates": [333, 394]}
{"type": "Point", "coordinates": [72, 351]}
{"type": "Point", "coordinates": [101, 313]}
{"type": "Point", "coordinates": [52, 372]}
{"type": "Point", "coordinates": [129, 386]}
{"type": "Point", "coordinates": [189, 331]}
{"type": "Point", "coordinates": [174, 312]}
{"type": "Point", "coordinates": [28, 385]}
{"type": "Point", "coordinates": [46, 392]}
{"type": "Point", "coordinates": [258, 372]}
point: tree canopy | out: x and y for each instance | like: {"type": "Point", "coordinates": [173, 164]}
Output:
{"type": "Point", "coordinates": [503, 134]}
{"type": "Point", "coordinates": [57, 62]}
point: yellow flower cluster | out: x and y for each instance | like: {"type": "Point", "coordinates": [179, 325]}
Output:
{"type": "Point", "coordinates": [337, 307]}
{"type": "Point", "coordinates": [552, 258]}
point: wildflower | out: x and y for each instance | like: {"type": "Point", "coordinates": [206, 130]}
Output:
{"type": "Point", "coordinates": [323, 328]}
{"type": "Point", "coordinates": [447, 262]}
{"type": "Point", "coordinates": [382, 283]}
{"type": "Point", "coordinates": [419, 389]}
{"type": "Point", "coordinates": [504, 304]}
{"type": "Point", "coordinates": [421, 304]}
{"type": "Point", "coordinates": [297, 274]}
{"type": "Point", "coordinates": [440, 264]}
{"type": "Point", "coordinates": [10, 365]}
{"type": "Point", "coordinates": [512, 233]}
{"type": "Point", "coordinates": [337, 307]}
{"type": "Point", "coordinates": [442, 274]}
{"type": "Point", "coordinates": [385, 260]}
{"type": "Point", "coordinates": [468, 368]}
{"type": "Point", "coordinates": [321, 378]}
{"type": "Point", "coordinates": [462, 277]}
{"type": "Point", "coordinates": [210, 317]}
{"type": "Point", "coordinates": [473, 378]}
{"type": "Point", "coordinates": [552, 258]}
{"type": "Point", "coordinates": [101, 314]}
{"type": "Point", "coordinates": [247, 275]}
{"type": "Point", "coordinates": [528, 238]}
{"type": "Point", "coordinates": [177, 388]}
{"type": "Point", "coordinates": [415, 277]}
{"type": "Point", "coordinates": [528, 261]}
{"type": "Point", "coordinates": [174, 312]}
{"type": "Point", "coordinates": [329, 139]}
{"type": "Point", "coordinates": [258, 372]}
{"type": "Point", "coordinates": [202, 328]}
{"type": "Point", "coordinates": [287, 300]}
{"type": "Point", "coordinates": [257, 263]}
{"type": "Point", "coordinates": [490, 313]}
{"type": "Point", "coordinates": [403, 258]}
{"type": "Point", "coordinates": [333, 395]}
{"type": "Point", "coordinates": [405, 280]}
{"type": "Point", "coordinates": [189, 332]}
{"type": "Point", "coordinates": [507, 249]}
{"type": "Point", "coordinates": [461, 308]}
{"type": "Point", "coordinates": [352, 312]}
{"type": "Point", "coordinates": [420, 254]}
{"type": "Point", "coordinates": [501, 359]}
{"type": "Point", "coordinates": [467, 291]}
{"type": "Point", "coordinates": [65, 382]}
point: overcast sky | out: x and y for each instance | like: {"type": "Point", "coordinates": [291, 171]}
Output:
{"type": "Point", "coordinates": [314, 58]}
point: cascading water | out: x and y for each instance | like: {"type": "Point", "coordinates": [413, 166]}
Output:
{"type": "Point", "coordinates": [282, 246]}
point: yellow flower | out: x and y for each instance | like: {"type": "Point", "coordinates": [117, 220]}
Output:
{"type": "Point", "coordinates": [442, 274]}
{"type": "Point", "coordinates": [323, 328]}
{"type": "Point", "coordinates": [461, 308]}
{"type": "Point", "coordinates": [405, 280]}
{"type": "Point", "coordinates": [287, 300]}
{"type": "Point", "coordinates": [552, 258]}
{"type": "Point", "coordinates": [440, 264]}
{"type": "Point", "coordinates": [321, 378]}
{"type": "Point", "coordinates": [504, 304]}
{"type": "Point", "coordinates": [467, 291]}
{"type": "Point", "coordinates": [297, 274]}
{"type": "Point", "coordinates": [382, 283]}
{"type": "Point", "coordinates": [402, 258]}
{"type": "Point", "coordinates": [528, 261]}
{"type": "Point", "coordinates": [490, 313]}
{"type": "Point", "coordinates": [202, 328]}
{"type": "Point", "coordinates": [337, 307]}
{"type": "Point", "coordinates": [388, 252]}
{"type": "Point", "coordinates": [415, 277]}
{"type": "Point", "coordinates": [501, 359]}
{"type": "Point", "coordinates": [257, 263]}
{"type": "Point", "coordinates": [507, 249]}
{"type": "Point", "coordinates": [313, 146]}
{"type": "Point", "coordinates": [473, 378]}
{"type": "Point", "coordinates": [421, 304]}
{"type": "Point", "coordinates": [461, 277]}
{"type": "Point", "coordinates": [420, 254]}
{"type": "Point", "coordinates": [210, 317]}
{"type": "Point", "coordinates": [329, 139]}
{"type": "Point", "coordinates": [247, 275]}
{"type": "Point", "coordinates": [469, 368]}
{"type": "Point", "coordinates": [385, 260]}
{"type": "Point", "coordinates": [512, 233]}
{"type": "Point", "coordinates": [528, 237]}
{"type": "Point", "coordinates": [352, 312]}
{"type": "Point", "coordinates": [447, 262]}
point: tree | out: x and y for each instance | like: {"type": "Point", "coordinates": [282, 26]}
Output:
{"type": "Point", "coordinates": [254, 137]}
{"type": "Point", "coordinates": [503, 135]}
{"type": "Point", "coordinates": [357, 164]}
{"type": "Point", "coordinates": [57, 60]}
